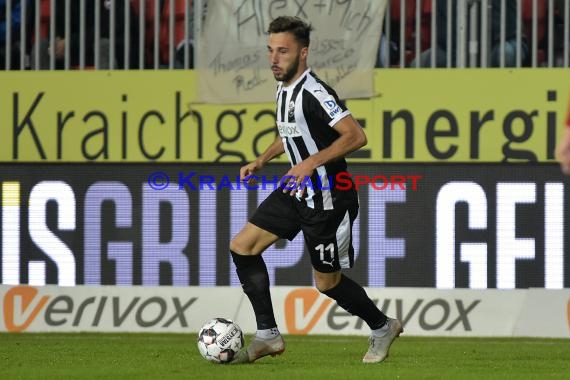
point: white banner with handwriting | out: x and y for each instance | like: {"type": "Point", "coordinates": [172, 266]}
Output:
{"type": "Point", "coordinates": [231, 51]}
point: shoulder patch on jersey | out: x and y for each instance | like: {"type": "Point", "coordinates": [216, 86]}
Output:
{"type": "Point", "coordinates": [331, 107]}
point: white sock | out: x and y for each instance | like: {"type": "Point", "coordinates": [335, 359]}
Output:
{"type": "Point", "coordinates": [381, 331]}
{"type": "Point", "coordinates": [267, 333]}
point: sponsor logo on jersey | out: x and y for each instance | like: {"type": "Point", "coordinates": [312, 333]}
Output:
{"type": "Point", "coordinates": [288, 130]}
{"type": "Point", "coordinates": [331, 107]}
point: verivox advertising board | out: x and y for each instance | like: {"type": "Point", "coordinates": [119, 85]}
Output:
{"type": "Point", "coordinates": [430, 226]}
{"type": "Point", "coordinates": [299, 310]}
{"type": "Point", "coordinates": [147, 116]}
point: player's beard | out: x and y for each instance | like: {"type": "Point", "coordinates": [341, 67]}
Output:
{"type": "Point", "coordinates": [289, 74]}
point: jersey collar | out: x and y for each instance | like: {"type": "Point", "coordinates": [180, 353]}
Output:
{"type": "Point", "coordinates": [292, 85]}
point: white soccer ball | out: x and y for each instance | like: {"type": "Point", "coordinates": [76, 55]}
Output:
{"type": "Point", "coordinates": [219, 340]}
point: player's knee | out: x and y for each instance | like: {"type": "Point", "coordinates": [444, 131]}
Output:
{"type": "Point", "coordinates": [244, 247]}
{"type": "Point", "coordinates": [323, 287]}
{"type": "Point", "coordinates": [326, 281]}
{"type": "Point", "coordinates": [239, 247]}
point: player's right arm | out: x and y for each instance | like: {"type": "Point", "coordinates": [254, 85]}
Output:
{"type": "Point", "coordinates": [274, 150]}
{"type": "Point", "coordinates": [563, 149]}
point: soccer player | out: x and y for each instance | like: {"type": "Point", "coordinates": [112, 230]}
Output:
{"type": "Point", "coordinates": [563, 151]}
{"type": "Point", "coordinates": [316, 131]}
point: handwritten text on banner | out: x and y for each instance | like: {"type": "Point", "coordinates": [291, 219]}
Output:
{"type": "Point", "coordinates": [232, 60]}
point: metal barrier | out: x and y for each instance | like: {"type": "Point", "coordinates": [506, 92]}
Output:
{"type": "Point", "coordinates": [159, 34]}
{"type": "Point", "coordinates": [534, 32]}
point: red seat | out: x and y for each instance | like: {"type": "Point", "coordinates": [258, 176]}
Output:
{"type": "Point", "coordinates": [179, 14]}
{"type": "Point", "coordinates": [164, 20]}
{"type": "Point", "coordinates": [148, 35]}
{"type": "Point", "coordinates": [409, 18]}
{"type": "Point", "coordinates": [45, 13]}
{"type": "Point", "coordinates": [426, 24]}
{"type": "Point", "coordinates": [527, 17]}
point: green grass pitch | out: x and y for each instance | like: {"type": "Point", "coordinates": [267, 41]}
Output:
{"type": "Point", "coordinates": [175, 356]}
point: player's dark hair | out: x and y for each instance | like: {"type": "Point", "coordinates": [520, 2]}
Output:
{"type": "Point", "coordinates": [299, 28]}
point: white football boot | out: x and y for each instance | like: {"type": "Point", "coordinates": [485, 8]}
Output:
{"type": "Point", "coordinates": [380, 345]}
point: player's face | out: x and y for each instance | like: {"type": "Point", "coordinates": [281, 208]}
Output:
{"type": "Point", "coordinates": [288, 59]}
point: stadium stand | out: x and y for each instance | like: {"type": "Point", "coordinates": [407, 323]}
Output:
{"type": "Point", "coordinates": [166, 43]}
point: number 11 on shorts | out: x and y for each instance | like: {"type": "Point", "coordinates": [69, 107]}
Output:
{"type": "Point", "coordinates": [321, 248]}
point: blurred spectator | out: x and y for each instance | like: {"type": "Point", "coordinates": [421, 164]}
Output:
{"type": "Point", "coordinates": [388, 50]}
{"type": "Point", "coordinates": [442, 14]}
{"type": "Point", "coordinates": [75, 42]}
{"type": "Point", "coordinates": [383, 52]}
{"type": "Point", "coordinates": [389, 46]}
{"type": "Point", "coordinates": [14, 44]}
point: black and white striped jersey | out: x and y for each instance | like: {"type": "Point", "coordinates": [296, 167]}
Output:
{"type": "Point", "coordinates": [307, 111]}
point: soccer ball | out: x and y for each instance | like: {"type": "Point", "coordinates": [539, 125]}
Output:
{"type": "Point", "coordinates": [219, 340]}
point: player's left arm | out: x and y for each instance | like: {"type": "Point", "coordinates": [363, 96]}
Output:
{"type": "Point", "coordinates": [351, 138]}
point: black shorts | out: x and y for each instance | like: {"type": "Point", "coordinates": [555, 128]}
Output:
{"type": "Point", "coordinates": [327, 233]}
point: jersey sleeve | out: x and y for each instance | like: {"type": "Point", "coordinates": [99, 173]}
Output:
{"type": "Point", "coordinates": [325, 105]}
